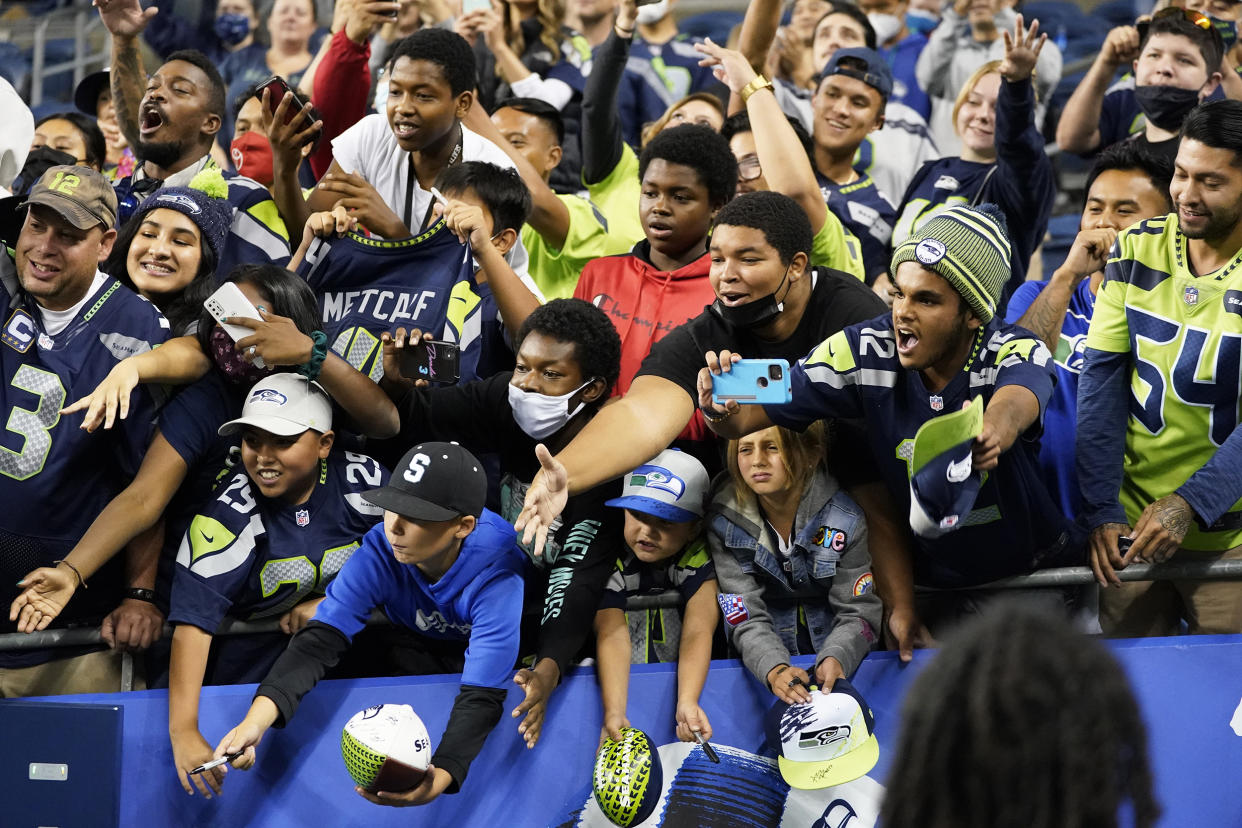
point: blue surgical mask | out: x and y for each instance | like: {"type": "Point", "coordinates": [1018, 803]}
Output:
{"type": "Point", "coordinates": [1228, 30]}
{"type": "Point", "coordinates": [921, 21]}
{"type": "Point", "coordinates": [232, 28]}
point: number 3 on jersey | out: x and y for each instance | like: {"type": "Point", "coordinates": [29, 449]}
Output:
{"type": "Point", "coordinates": [34, 426]}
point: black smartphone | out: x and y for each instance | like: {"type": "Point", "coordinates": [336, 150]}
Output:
{"type": "Point", "coordinates": [392, 15]}
{"type": "Point", "coordinates": [276, 87]}
{"type": "Point", "coordinates": [433, 361]}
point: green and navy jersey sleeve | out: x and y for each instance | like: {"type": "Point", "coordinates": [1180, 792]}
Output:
{"type": "Point", "coordinates": [826, 382]}
{"type": "Point", "coordinates": [836, 247]}
{"type": "Point", "coordinates": [258, 234]}
{"type": "Point", "coordinates": [556, 271]}
{"type": "Point", "coordinates": [616, 196]}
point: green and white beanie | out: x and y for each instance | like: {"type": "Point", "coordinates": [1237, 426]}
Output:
{"type": "Point", "coordinates": [969, 247]}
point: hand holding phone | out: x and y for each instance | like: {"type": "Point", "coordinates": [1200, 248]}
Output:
{"type": "Point", "coordinates": [432, 361]}
{"type": "Point", "coordinates": [276, 88]}
{"type": "Point", "coordinates": [228, 301]}
{"type": "Point", "coordinates": [753, 382]}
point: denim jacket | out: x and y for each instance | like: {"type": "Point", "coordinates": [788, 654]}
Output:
{"type": "Point", "coordinates": [830, 572]}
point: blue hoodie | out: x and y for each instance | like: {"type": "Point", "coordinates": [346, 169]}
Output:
{"type": "Point", "coordinates": [478, 600]}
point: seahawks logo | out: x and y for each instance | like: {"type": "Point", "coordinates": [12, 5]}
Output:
{"type": "Point", "coordinates": [930, 251]}
{"type": "Point", "coordinates": [658, 477]}
{"type": "Point", "coordinates": [267, 395]}
{"type": "Point", "coordinates": [184, 202]}
{"type": "Point", "coordinates": [823, 738]}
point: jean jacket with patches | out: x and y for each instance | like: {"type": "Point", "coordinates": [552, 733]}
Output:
{"type": "Point", "coordinates": [830, 573]}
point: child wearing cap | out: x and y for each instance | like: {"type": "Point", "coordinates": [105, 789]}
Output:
{"type": "Point", "coordinates": [441, 566]}
{"type": "Point", "coordinates": [792, 562]}
{"type": "Point", "coordinates": [664, 502]}
{"type": "Point", "coordinates": [266, 545]}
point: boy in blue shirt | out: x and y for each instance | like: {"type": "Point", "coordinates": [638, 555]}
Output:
{"type": "Point", "coordinates": [266, 545]}
{"type": "Point", "coordinates": [440, 564]}
{"type": "Point", "coordinates": [664, 501]}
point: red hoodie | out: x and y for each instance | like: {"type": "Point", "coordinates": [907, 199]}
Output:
{"type": "Point", "coordinates": [645, 304]}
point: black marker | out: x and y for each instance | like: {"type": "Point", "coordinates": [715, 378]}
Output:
{"type": "Point", "coordinates": [707, 748]}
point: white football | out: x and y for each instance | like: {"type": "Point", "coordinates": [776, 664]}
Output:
{"type": "Point", "coordinates": [386, 748]}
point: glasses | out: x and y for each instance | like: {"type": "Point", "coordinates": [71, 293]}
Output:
{"type": "Point", "coordinates": [1199, 19]}
{"type": "Point", "coordinates": [748, 168]}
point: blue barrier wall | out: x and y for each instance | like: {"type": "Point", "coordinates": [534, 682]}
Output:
{"type": "Point", "coordinates": [1188, 688]}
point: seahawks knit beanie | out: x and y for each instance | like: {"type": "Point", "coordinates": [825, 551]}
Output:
{"type": "Point", "coordinates": [204, 202]}
{"type": "Point", "coordinates": [969, 247]}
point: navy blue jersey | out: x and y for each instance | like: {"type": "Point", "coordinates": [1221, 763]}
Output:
{"type": "Point", "coordinates": [250, 556]}
{"type": "Point", "coordinates": [655, 634]}
{"type": "Point", "coordinates": [856, 373]}
{"type": "Point", "coordinates": [865, 212]}
{"type": "Point", "coordinates": [1021, 181]}
{"type": "Point", "coordinates": [1056, 451]}
{"type": "Point", "coordinates": [54, 477]}
{"type": "Point", "coordinates": [656, 77]}
{"type": "Point", "coordinates": [369, 286]}
{"type": "Point", "coordinates": [479, 599]}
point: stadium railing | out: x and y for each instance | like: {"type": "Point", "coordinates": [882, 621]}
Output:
{"type": "Point", "coordinates": [1044, 578]}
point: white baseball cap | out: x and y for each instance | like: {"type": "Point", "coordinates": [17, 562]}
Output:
{"type": "Point", "coordinates": [827, 741]}
{"type": "Point", "coordinates": [284, 405]}
{"type": "Point", "coordinates": [673, 486]}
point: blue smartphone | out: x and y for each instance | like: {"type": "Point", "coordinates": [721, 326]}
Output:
{"type": "Point", "coordinates": [753, 381]}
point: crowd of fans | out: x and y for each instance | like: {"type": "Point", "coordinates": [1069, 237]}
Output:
{"type": "Point", "coordinates": [598, 216]}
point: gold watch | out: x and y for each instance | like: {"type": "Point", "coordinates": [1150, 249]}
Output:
{"type": "Point", "coordinates": [759, 82]}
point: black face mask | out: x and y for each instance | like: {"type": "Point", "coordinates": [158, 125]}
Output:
{"type": "Point", "coordinates": [754, 314]}
{"type": "Point", "coordinates": [37, 163]}
{"type": "Point", "coordinates": [1166, 106]}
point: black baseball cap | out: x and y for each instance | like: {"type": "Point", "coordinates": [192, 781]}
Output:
{"type": "Point", "coordinates": [86, 95]}
{"type": "Point", "coordinates": [434, 481]}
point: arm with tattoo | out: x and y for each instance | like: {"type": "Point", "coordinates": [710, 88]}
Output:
{"type": "Point", "coordinates": [125, 20]}
{"type": "Point", "coordinates": [1046, 314]}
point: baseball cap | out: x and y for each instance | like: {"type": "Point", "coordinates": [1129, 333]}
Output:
{"type": "Point", "coordinates": [877, 75]}
{"type": "Point", "coordinates": [943, 483]}
{"type": "Point", "coordinates": [285, 405]}
{"type": "Point", "coordinates": [672, 486]}
{"type": "Point", "coordinates": [83, 196]}
{"type": "Point", "coordinates": [434, 481]}
{"type": "Point", "coordinates": [827, 741]}
{"type": "Point", "coordinates": [86, 95]}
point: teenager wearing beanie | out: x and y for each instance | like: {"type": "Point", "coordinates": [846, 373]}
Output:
{"type": "Point", "coordinates": [172, 241]}
{"type": "Point", "coordinates": [941, 347]}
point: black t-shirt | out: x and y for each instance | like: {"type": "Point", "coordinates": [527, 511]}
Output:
{"type": "Point", "coordinates": [1166, 149]}
{"type": "Point", "coordinates": [837, 299]}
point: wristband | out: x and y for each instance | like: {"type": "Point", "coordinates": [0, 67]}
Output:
{"type": "Point", "coordinates": [759, 82]}
{"type": "Point", "coordinates": [713, 417]}
{"type": "Point", "coordinates": [140, 594]}
{"type": "Point", "coordinates": [81, 580]}
{"type": "Point", "coordinates": [319, 352]}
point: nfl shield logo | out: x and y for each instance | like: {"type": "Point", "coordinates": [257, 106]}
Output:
{"type": "Point", "coordinates": [937, 402]}
{"type": "Point", "coordinates": [1191, 296]}
{"type": "Point", "coordinates": [303, 517]}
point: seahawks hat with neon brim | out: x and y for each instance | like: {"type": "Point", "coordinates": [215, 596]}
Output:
{"type": "Point", "coordinates": [943, 481]}
{"type": "Point", "coordinates": [827, 741]}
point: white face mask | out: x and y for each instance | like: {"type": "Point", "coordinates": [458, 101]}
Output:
{"type": "Point", "coordinates": [540, 415]}
{"type": "Point", "coordinates": [886, 26]}
{"type": "Point", "coordinates": [652, 12]}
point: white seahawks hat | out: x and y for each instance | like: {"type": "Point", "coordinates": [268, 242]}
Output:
{"type": "Point", "coordinates": [284, 405]}
{"type": "Point", "coordinates": [672, 486]}
{"type": "Point", "coordinates": [827, 741]}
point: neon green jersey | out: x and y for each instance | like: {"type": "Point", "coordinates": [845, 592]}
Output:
{"type": "Point", "coordinates": [1184, 337]}
{"type": "Point", "coordinates": [836, 247]}
{"type": "Point", "coordinates": [556, 272]}
{"type": "Point", "coordinates": [617, 198]}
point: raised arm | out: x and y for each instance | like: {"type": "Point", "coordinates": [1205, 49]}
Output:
{"type": "Point", "coordinates": [1079, 128]}
{"type": "Point", "coordinates": [759, 27]}
{"type": "Point", "coordinates": [125, 20]}
{"type": "Point", "coordinates": [1046, 313]}
{"type": "Point", "coordinates": [782, 157]}
{"type": "Point", "coordinates": [601, 128]}
{"type": "Point", "coordinates": [549, 215]}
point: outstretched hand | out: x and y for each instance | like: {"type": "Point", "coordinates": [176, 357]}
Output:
{"type": "Point", "coordinates": [45, 591]}
{"type": "Point", "coordinates": [545, 500]}
{"type": "Point", "coordinates": [728, 65]}
{"type": "Point", "coordinates": [1022, 50]}
{"type": "Point", "coordinates": [109, 401]}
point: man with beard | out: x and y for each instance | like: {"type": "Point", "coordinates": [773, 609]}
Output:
{"type": "Point", "coordinates": [1167, 329]}
{"type": "Point", "coordinates": [172, 126]}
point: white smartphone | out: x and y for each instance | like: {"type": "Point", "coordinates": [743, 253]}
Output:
{"type": "Point", "coordinates": [468, 6]}
{"type": "Point", "coordinates": [230, 301]}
